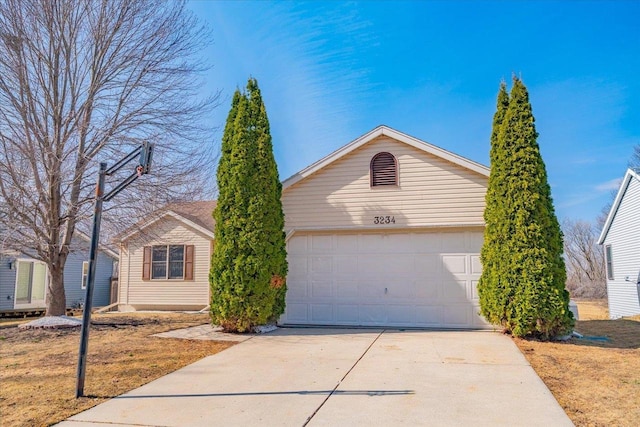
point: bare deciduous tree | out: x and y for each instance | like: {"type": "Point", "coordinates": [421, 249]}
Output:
{"type": "Point", "coordinates": [634, 163]}
{"type": "Point", "coordinates": [585, 260]}
{"type": "Point", "coordinates": [86, 81]}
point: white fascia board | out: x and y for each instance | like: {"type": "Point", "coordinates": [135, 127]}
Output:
{"type": "Point", "coordinates": [616, 203]}
{"type": "Point", "coordinates": [392, 133]}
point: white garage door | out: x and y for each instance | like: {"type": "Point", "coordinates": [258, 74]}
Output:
{"type": "Point", "coordinates": [384, 279]}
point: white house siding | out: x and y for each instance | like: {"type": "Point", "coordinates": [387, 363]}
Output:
{"type": "Point", "coordinates": [135, 293]}
{"type": "Point", "coordinates": [624, 238]}
{"type": "Point", "coordinates": [431, 192]}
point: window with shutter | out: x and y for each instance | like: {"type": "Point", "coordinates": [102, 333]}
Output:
{"type": "Point", "coordinates": [384, 170]}
{"type": "Point", "coordinates": [168, 262]}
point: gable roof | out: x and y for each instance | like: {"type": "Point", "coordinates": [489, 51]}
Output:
{"type": "Point", "coordinates": [616, 203]}
{"type": "Point", "coordinates": [104, 248]}
{"type": "Point", "coordinates": [197, 215]}
{"type": "Point", "coordinates": [392, 133]}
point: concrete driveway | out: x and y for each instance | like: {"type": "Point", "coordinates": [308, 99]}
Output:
{"type": "Point", "coordinates": [345, 377]}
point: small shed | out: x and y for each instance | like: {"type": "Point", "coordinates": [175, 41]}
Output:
{"type": "Point", "coordinates": [23, 278]}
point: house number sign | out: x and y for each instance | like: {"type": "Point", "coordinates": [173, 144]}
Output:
{"type": "Point", "coordinates": [384, 220]}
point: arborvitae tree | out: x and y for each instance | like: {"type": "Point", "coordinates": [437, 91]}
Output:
{"type": "Point", "coordinates": [269, 240]}
{"type": "Point", "coordinates": [249, 261]}
{"type": "Point", "coordinates": [491, 287]}
{"type": "Point", "coordinates": [524, 288]}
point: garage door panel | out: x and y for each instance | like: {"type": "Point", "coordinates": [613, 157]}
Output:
{"type": "Point", "coordinates": [347, 314]}
{"type": "Point", "coordinates": [456, 315]}
{"type": "Point", "coordinates": [384, 263]}
{"type": "Point", "coordinates": [372, 314]}
{"type": "Point", "coordinates": [402, 287]}
{"type": "Point", "coordinates": [347, 288]}
{"type": "Point", "coordinates": [384, 243]}
{"type": "Point", "coordinates": [297, 312]}
{"type": "Point", "coordinates": [347, 243]}
{"type": "Point", "coordinates": [428, 242]}
{"type": "Point", "coordinates": [400, 314]}
{"type": "Point", "coordinates": [371, 289]}
{"type": "Point", "coordinates": [454, 290]}
{"type": "Point", "coordinates": [298, 266]}
{"type": "Point", "coordinates": [476, 265]}
{"type": "Point", "coordinates": [296, 288]}
{"type": "Point", "coordinates": [454, 242]}
{"type": "Point", "coordinates": [347, 265]}
{"type": "Point", "coordinates": [321, 243]}
{"type": "Point", "coordinates": [379, 278]}
{"type": "Point", "coordinates": [321, 264]}
{"type": "Point", "coordinates": [427, 288]}
{"type": "Point", "coordinates": [297, 245]}
{"type": "Point", "coordinates": [426, 263]}
{"type": "Point", "coordinates": [428, 315]}
{"type": "Point", "coordinates": [321, 288]}
{"type": "Point", "coordinates": [454, 264]}
{"type": "Point", "coordinates": [473, 290]}
{"type": "Point", "coordinates": [474, 241]}
{"type": "Point", "coordinates": [322, 313]}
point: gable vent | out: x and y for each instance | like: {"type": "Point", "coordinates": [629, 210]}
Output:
{"type": "Point", "coordinates": [384, 170]}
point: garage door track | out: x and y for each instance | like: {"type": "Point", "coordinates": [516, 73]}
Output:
{"type": "Point", "coordinates": [345, 377]}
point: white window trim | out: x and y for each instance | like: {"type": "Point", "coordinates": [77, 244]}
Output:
{"type": "Point", "coordinates": [166, 276]}
{"type": "Point", "coordinates": [15, 287]}
{"type": "Point", "coordinates": [608, 261]}
{"type": "Point", "coordinates": [84, 276]}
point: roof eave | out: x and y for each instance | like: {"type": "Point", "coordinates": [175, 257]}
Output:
{"type": "Point", "coordinates": [157, 218]}
{"type": "Point", "coordinates": [616, 203]}
{"type": "Point", "coordinates": [392, 133]}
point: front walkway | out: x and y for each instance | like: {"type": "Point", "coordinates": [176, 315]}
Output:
{"type": "Point", "coordinates": [345, 377]}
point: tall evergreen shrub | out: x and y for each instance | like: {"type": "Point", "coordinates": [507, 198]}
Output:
{"type": "Point", "coordinates": [522, 287]}
{"type": "Point", "coordinates": [248, 266]}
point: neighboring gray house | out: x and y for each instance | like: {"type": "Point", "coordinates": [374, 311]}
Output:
{"type": "Point", "coordinates": [23, 278]}
{"type": "Point", "coordinates": [621, 239]}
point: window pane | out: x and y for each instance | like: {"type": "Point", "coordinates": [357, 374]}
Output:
{"type": "Point", "coordinates": [176, 253]}
{"type": "Point", "coordinates": [159, 270]}
{"type": "Point", "coordinates": [609, 262]}
{"type": "Point", "coordinates": [176, 270]}
{"type": "Point", "coordinates": [24, 282]}
{"type": "Point", "coordinates": [159, 253]}
{"type": "Point", "coordinates": [39, 279]}
{"type": "Point", "coordinates": [85, 272]}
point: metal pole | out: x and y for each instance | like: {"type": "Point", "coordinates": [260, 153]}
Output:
{"type": "Point", "coordinates": [88, 299]}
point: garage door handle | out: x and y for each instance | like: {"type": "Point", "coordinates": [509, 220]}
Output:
{"type": "Point", "coordinates": [386, 290]}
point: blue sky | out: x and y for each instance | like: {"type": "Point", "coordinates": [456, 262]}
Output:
{"type": "Point", "coordinates": [331, 71]}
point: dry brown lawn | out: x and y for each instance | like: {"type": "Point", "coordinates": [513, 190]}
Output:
{"type": "Point", "coordinates": [38, 367]}
{"type": "Point", "coordinates": [596, 382]}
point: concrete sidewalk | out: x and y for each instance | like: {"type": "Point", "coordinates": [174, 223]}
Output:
{"type": "Point", "coordinates": [344, 377]}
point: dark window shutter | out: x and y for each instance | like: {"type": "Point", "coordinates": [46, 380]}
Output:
{"type": "Point", "coordinates": [384, 170]}
{"type": "Point", "coordinates": [188, 262]}
{"type": "Point", "coordinates": [146, 263]}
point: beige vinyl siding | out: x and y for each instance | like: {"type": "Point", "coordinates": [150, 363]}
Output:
{"type": "Point", "coordinates": [138, 293]}
{"type": "Point", "coordinates": [623, 236]}
{"type": "Point", "coordinates": [431, 192]}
